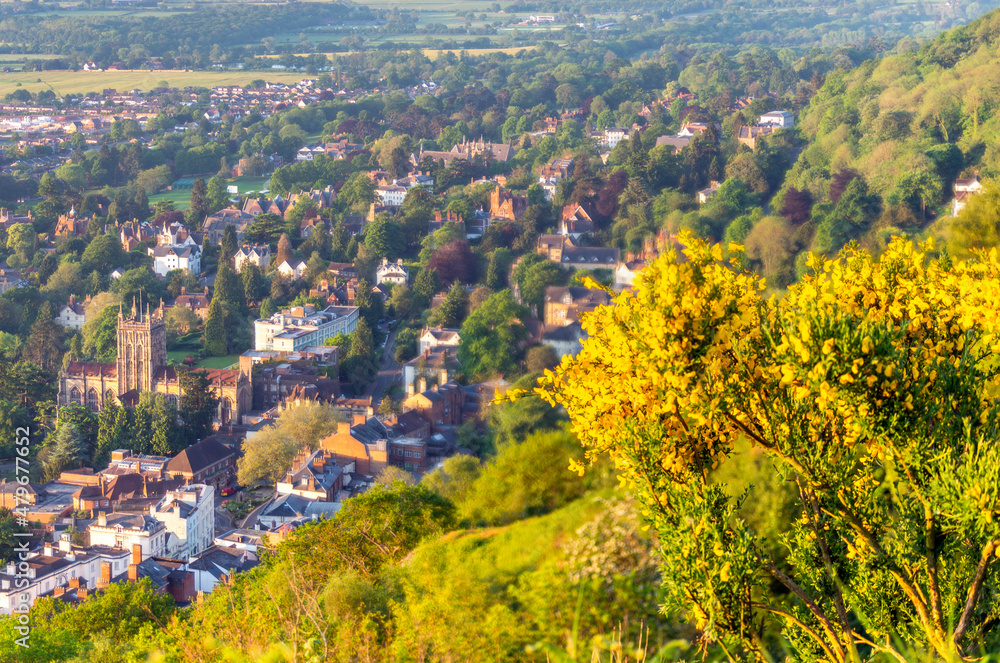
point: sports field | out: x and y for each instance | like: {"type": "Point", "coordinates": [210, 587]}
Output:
{"type": "Point", "coordinates": [82, 82]}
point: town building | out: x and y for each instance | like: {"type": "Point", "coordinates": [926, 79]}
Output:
{"type": "Point", "coordinates": [314, 475]}
{"type": "Point", "coordinates": [391, 195]}
{"type": "Point", "coordinates": [206, 462]}
{"type": "Point", "coordinates": [504, 205]}
{"type": "Point", "coordinates": [71, 224]}
{"type": "Point", "coordinates": [561, 249]}
{"type": "Point", "coordinates": [124, 530]}
{"type": "Point", "coordinates": [356, 442]}
{"type": "Point", "coordinates": [302, 326]}
{"type": "Point", "coordinates": [778, 119]}
{"type": "Point", "coordinates": [188, 513]}
{"type": "Point", "coordinates": [433, 337]}
{"type": "Point", "coordinates": [293, 269]}
{"type": "Point", "coordinates": [168, 258]}
{"type": "Point", "coordinates": [72, 315]}
{"type": "Point", "coordinates": [576, 221]}
{"type": "Point", "coordinates": [965, 188]}
{"type": "Point", "coordinates": [393, 273]}
{"type": "Point", "coordinates": [215, 224]}
{"type": "Point", "coordinates": [564, 305]}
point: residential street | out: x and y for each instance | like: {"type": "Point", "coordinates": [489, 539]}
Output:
{"type": "Point", "coordinates": [388, 373]}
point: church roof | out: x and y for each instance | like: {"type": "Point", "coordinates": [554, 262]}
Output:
{"type": "Point", "coordinates": [91, 369]}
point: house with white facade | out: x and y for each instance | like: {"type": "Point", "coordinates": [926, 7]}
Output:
{"type": "Point", "coordinates": [257, 254]}
{"type": "Point", "coordinates": [392, 273]}
{"type": "Point", "coordinates": [391, 195]}
{"type": "Point", "coordinates": [123, 530]}
{"type": "Point", "coordinates": [169, 258]}
{"type": "Point", "coordinates": [614, 135]}
{"type": "Point", "coordinates": [293, 270]}
{"type": "Point", "coordinates": [432, 337]}
{"type": "Point", "coordinates": [188, 513]}
{"type": "Point", "coordinates": [782, 119]}
{"type": "Point", "coordinates": [72, 315]}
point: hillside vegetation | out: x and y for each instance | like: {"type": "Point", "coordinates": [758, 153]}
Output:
{"type": "Point", "coordinates": [886, 141]}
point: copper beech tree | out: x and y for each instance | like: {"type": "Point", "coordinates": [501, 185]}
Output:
{"type": "Point", "coordinates": [871, 386]}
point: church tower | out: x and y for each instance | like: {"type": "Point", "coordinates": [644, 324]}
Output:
{"type": "Point", "coordinates": [142, 348]}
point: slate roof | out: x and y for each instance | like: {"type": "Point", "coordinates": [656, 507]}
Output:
{"type": "Point", "coordinates": [199, 456]}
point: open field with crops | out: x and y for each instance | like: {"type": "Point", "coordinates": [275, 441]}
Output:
{"type": "Point", "coordinates": [81, 82]}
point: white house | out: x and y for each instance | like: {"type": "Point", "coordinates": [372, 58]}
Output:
{"type": "Point", "coordinates": [123, 530]}
{"type": "Point", "coordinates": [965, 189]}
{"type": "Point", "coordinates": [432, 337]}
{"type": "Point", "coordinates": [782, 119]}
{"type": "Point", "coordinates": [72, 314]}
{"type": "Point", "coordinates": [614, 135]}
{"type": "Point", "coordinates": [293, 270]}
{"type": "Point", "coordinates": [392, 273]}
{"type": "Point", "coordinates": [168, 258]}
{"type": "Point", "coordinates": [188, 513]}
{"type": "Point", "coordinates": [391, 195]}
{"type": "Point", "coordinates": [259, 255]}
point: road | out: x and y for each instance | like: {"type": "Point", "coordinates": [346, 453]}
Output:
{"type": "Point", "coordinates": [388, 373]}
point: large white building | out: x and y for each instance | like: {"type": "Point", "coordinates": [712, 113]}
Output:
{"type": "Point", "coordinates": [782, 119]}
{"type": "Point", "coordinates": [301, 326]}
{"type": "Point", "coordinates": [123, 530]}
{"type": "Point", "coordinates": [189, 516]}
{"type": "Point", "coordinates": [168, 258]}
{"type": "Point", "coordinates": [391, 196]}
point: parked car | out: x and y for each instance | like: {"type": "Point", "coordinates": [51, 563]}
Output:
{"type": "Point", "coordinates": [227, 491]}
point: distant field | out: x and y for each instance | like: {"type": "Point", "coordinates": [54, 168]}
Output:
{"type": "Point", "coordinates": [181, 198]}
{"type": "Point", "coordinates": [434, 54]}
{"type": "Point", "coordinates": [178, 356]}
{"type": "Point", "coordinates": [81, 82]}
{"type": "Point", "coordinates": [250, 183]}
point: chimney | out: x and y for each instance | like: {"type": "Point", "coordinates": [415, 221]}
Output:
{"type": "Point", "coordinates": [105, 575]}
{"type": "Point", "coordinates": [359, 420]}
{"type": "Point", "coordinates": [74, 582]}
{"type": "Point", "coordinates": [47, 549]}
{"type": "Point", "coordinates": [133, 573]}
{"type": "Point", "coordinates": [58, 591]}
{"type": "Point", "coordinates": [102, 519]}
{"type": "Point", "coordinates": [65, 545]}
{"type": "Point", "coordinates": [421, 385]}
{"type": "Point", "coordinates": [136, 553]}
{"type": "Point", "coordinates": [183, 290]}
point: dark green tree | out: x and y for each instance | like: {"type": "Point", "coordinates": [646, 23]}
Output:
{"type": "Point", "coordinates": [491, 335]}
{"type": "Point", "coordinates": [198, 404]}
{"type": "Point", "coordinates": [214, 339]}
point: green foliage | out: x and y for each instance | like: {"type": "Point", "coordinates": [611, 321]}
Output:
{"type": "Point", "coordinates": [490, 336]}
{"type": "Point", "coordinates": [268, 455]}
{"type": "Point", "coordinates": [198, 404]}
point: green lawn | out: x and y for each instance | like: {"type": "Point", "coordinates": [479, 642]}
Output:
{"type": "Point", "coordinates": [247, 184]}
{"type": "Point", "coordinates": [180, 197]}
{"type": "Point", "coordinates": [177, 357]}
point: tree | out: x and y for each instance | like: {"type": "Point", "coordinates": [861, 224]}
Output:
{"type": "Point", "coordinates": [229, 291]}
{"type": "Point", "coordinates": [44, 346]}
{"type": "Point", "coordinates": [540, 358]}
{"type": "Point", "coordinates": [229, 244]}
{"type": "Point", "coordinates": [797, 205]}
{"type": "Point", "coordinates": [198, 404]}
{"type": "Point", "coordinates": [871, 386]}
{"type": "Point", "coordinates": [215, 339]}
{"type": "Point", "coordinates": [453, 262]}
{"type": "Point", "coordinates": [266, 228]}
{"type": "Point", "coordinates": [490, 336]}
{"type": "Point", "coordinates": [103, 254]}
{"type": "Point", "coordinates": [284, 252]}
{"type": "Point", "coordinates": [268, 455]}
{"type": "Point", "coordinates": [452, 310]}
{"type": "Point", "coordinates": [198, 208]}
{"type": "Point", "coordinates": [383, 239]}
{"type": "Point", "coordinates": [63, 452]}
{"type": "Point", "coordinates": [100, 335]}
{"type": "Point", "coordinates": [22, 240]}
{"type": "Point", "coordinates": [255, 286]}
{"type": "Point", "coordinates": [425, 286]}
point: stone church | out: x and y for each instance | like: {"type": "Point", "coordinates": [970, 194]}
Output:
{"type": "Point", "coordinates": [141, 366]}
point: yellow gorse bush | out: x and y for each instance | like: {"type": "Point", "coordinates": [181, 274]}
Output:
{"type": "Point", "coordinates": [872, 385]}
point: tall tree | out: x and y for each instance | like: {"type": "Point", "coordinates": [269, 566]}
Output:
{"type": "Point", "coordinates": [229, 244]}
{"type": "Point", "coordinates": [63, 452]}
{"type": "Point", "coordinates": [452, 310]}
{"type": "Point", "coordinates": [284, 251]}
{"type": "Point", "coordinates": [198, 209]}
{"type": "Point", "coordinates": [198, 404]}
{"type": "Point", "coordinates": [44, 346]}
{"type": "Point", "coordinates": [215, 339]}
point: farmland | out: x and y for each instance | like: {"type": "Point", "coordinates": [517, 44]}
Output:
{"type": "Point", "coordinates": [82, 82]}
